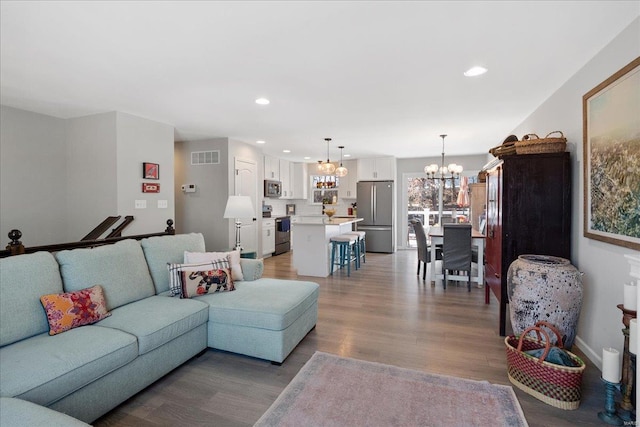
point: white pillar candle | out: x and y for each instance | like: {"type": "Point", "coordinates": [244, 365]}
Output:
{"type": "Point", "coordinates": [611, 365]}
{"type": "Point", "coordinates": [633, 336]}
{"type": "Point", "coordinates": [630, 296]}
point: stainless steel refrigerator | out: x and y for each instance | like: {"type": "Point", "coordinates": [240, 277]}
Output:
{"type": "Point", "coordinates": [375, 205]}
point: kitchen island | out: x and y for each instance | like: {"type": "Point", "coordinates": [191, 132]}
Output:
{"type": "Point", "coordinates": [312, 249]}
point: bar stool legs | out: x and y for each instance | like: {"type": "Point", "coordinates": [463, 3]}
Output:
{"type": "Point", "coordinates": [347, 247]}
{"type": "Point", "coordinates": [361, 247]}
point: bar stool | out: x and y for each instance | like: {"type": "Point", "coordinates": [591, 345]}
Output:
{"type": "Point", "coordinates": [361, 248]}
{"type": "Point", "coordinates": [346, 244]}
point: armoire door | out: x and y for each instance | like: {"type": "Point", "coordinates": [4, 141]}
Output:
{"type": "Point", "coordinates": [493, 243]}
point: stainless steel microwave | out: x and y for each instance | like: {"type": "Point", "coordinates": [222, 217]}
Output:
{"type": "Point", "coordinates": [272, 188]}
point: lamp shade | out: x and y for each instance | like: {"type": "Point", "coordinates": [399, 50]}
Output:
{"type": "Point", "coordinates": [239, 207]}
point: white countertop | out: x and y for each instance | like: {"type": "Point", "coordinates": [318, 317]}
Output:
{"type": "Point", "coordinates": [323, 220]}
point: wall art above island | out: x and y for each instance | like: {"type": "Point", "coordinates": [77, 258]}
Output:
{"type": "Point", "coordinates": [611, 121]}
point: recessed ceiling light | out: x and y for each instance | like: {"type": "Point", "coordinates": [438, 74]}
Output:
{"type": "Point", "coordinates": [307, 158]}
{"type": "Point", "coordinates": [347, 155]}
{"type": "Point", "coordinates": [260, 142]}
{"type": "Point", "coordinates": [475, 71]}
{"type": "Point", "coordinates": [286, 151]}
{"type": "Point", "coordinates": [262, 101]}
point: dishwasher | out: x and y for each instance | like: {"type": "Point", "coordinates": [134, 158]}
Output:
{"type": "Point", "coordinates": [283, 233]}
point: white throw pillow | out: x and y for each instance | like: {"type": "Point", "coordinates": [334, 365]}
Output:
{"type": "Point", "coordinates": [232, 256]}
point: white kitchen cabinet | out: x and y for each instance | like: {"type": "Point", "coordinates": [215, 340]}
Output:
{"type": "Point", "coordinates": [377, 169]}
{"type": "Point", "coordinates": [271, 168]}
{"type": "Point", "coordinates": [299, 181]}
{"type": "Point", "coordinates": [348, 184]}
{"type": "Point", "coordinates": [268, 236]}
{"type": "Point", "coordinates": [285, 178]}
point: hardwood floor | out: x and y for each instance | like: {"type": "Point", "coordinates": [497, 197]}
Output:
{"type": "Point", "coordinates": [382, 313]}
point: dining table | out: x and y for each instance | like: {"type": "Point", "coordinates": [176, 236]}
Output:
{"type": "Point", "coordinates": [436, 235]}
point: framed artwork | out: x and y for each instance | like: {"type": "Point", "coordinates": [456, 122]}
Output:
{"type": "Point", "coordinates": [148, 187]}
{"type": "Point", "coordinates": [611, 148]}
{"type": "Point", "coordinates": [150, 170]}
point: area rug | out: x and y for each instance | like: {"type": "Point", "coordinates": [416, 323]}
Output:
{"type": "Point", "coordinates": [335, 391]}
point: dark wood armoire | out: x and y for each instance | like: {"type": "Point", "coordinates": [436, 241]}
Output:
{"type": "Point", "coordinates": [528, 212]}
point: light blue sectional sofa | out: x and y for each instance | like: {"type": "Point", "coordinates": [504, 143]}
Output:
{"type": "Point", "coordinates": [88, 370]}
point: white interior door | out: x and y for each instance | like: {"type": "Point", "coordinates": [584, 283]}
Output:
{"type": "Point", "coordinates": [246, 184]}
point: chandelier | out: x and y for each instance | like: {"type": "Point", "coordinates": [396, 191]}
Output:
{"type": "Point", "coordinates": [341, 170]}
{"type": "Point", "coordinates": [453, 169]}
{"type": "Point", "coordinates": [443, 173]}
{"type": "Point", "coordinates": [327, 167]}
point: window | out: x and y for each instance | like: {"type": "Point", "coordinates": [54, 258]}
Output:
{"type": "Point", "coordinates": [324, 189]}
{"type": "Point", "coordinates": [422, 202]}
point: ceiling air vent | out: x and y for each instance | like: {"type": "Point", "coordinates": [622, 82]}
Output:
{"type": "Point", "coordinates": [205, 157]}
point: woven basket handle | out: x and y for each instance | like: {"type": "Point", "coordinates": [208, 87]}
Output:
{"type": "Point", "coordinates": [553, 329]}
{"type": "Point", "coordinates": [538, 330]}
{"type": "Point", "coordinates": [555, 131]}
{"type": "Point", "coordinates": [530, 136]}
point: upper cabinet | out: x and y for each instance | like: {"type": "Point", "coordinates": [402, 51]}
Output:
{"type": "Point", "coordinates": [377, 169]}
{"type": "Point", "coordinates": [348, 184]}
{"type": "Point", "coordinates": [299, 181]}
{"type": "Point", "coordinates": [285, 178]}
{"type": "Point", "coordinates": [271, 168]}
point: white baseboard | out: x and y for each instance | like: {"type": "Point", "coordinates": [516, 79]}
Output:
{"type": "Point", "coordinates": [593, 356]}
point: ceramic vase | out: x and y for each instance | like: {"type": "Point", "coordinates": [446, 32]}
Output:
{"type": "Point", "coordinates": [545, 288]}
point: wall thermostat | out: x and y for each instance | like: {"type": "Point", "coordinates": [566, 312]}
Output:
{"type": "Point", "coordinates": [189, 188]}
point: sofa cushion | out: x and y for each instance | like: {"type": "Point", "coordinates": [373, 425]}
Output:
{"type": "Point", "coordinates": [265, 303]}
{"type": "Point", "coordinates": [20, 413]}
{"type": "Point", "coordinates": [175, 274]}
{"type": "Point", "coordinates": [252, 269]}
{"type": "Point", "coordinates": [232, 256]}
{"type": "Point", "coordinates": [120, 268]}
{"type": "Point", "coordinates": [207, 281]}
{"type": "Point", "coordinates": [73, 309]}
{"type": "Point", "coordinates": [161, 250]}
{"type": "Point", "coordinates": [157, 320]}
{"type": "Point", "coordinates": [23, 279]}
{"type": "Point", "coordinates": [44, 369]}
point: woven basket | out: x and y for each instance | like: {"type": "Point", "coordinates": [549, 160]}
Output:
{"type": "Point", "coordinates": [555, 385]}
{"type": "Point", "coordinates": [503, 150]}
{"type": "Point", "coordinates": [538, 145]}
{"type": "Point", "coordinates": [507, 148]}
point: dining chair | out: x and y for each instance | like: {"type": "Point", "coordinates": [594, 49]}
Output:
{"type": "Point", "coordinates": [456, 251]}
{"type": "Point", "coordinates": [424, 249]}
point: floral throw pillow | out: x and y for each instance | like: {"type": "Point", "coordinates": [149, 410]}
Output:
{"type": "Point", "coordinates": [207, 281]}
{"type": "Point", "coordinates": [72, 309]}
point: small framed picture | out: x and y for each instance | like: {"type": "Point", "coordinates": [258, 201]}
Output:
{"type": "Point", "coordinates": [150, 170]}
{"type": "Point", "coordinates": [148, 187]}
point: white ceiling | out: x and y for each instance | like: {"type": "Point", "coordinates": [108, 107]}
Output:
{"type": "Point", "coordinates": [380, 78]}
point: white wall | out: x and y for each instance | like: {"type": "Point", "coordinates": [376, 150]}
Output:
{"type": "Point", "coordinates": [61, 178]}
{"type": "Point", "coordinates": [138, 141]}
{"type": "Point", "coordinates": [604, 266]}
{"type": "Point", "coordinates": [91, 179]}
{"type": "Point", "coordinates": [32, 185]}
{"type": "Point", "coordinates": [202, 211]}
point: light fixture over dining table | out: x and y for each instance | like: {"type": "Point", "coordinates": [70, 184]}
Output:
{"type": "Point", "coordinates": [441, 174]}
{"type": "Point", "coordinates": [453, 169]}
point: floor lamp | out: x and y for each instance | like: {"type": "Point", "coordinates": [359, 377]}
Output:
{"type": "Point", "coordinates": [238, 207]}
